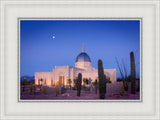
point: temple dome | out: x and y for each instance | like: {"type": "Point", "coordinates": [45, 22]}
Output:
{"type": "Point", "coordinates": [83, 61]}
{"type": "Point", "coordinates": [83, 57]}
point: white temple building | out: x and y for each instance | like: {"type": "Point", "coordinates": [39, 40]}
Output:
{"type": "Point", "coordinates": [63, 73]}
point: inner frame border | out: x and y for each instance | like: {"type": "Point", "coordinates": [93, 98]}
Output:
{"type": "Point", "coordinates": [81, 18]}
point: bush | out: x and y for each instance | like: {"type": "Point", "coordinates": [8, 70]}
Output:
{"type": "Point", "coordinates": [119, 80]}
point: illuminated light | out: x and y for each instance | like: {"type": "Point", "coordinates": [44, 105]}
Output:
{"type": "Point", "coordinates": [53, 37]}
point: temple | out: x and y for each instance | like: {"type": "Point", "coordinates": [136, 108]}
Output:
{"type": "Point", "coordinates": [63, 73]}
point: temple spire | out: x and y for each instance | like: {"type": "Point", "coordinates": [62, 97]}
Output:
{"type": "Point", "coordinates": [83, 48]}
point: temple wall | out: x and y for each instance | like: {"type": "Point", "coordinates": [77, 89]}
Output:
{"type": "Point", "coordinates": [62, 71]}
{"type": "Point", "coordinates": [47, 77]}
{"type": "Point", "coordinates": [112, 73]}
{"type": "Point", "coordinates": [52, 78]}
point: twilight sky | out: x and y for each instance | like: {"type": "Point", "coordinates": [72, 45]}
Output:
{"type": "Point", "coordinates": [45, 44]}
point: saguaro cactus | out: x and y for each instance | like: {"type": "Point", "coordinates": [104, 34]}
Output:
{"type": "Point", "coordinates": [79, 83]}
{"type": "Point", "coordinates": [105, 82]}
{"type": "Point", "coordinates": [133, 73]}
{"type": "Point", "coordinates": [101, 80]}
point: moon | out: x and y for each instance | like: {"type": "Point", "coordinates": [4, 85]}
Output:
{"type": "Point", "coordinates": [53, 37]}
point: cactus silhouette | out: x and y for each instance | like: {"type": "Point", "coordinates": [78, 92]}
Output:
{"type": "Point", "coordinates": [79, 83]}
{"type": "Point", "coordinates": [133, 73]}
{"type": "Point", "coordinates": [105, 82]}
{"type": "Point", "coordinates": [102, 82]}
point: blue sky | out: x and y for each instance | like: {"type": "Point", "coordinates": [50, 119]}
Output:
{"type": "Point", "coordinates": [103, 39]}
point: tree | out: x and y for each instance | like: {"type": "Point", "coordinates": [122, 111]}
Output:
{"type": "Point", "coordinates": [95, 83]}
{"type": "Point", "coordinates": [41, 84]}
{"type": "Point", "coordinates": [87, 81]}
{"type": "Point", "coordinates": [90, 84]}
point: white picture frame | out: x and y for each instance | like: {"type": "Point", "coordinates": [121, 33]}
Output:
{"type": "Point", "coordinates": [148, 11]}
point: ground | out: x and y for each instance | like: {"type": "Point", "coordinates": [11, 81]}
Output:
{"type": "Point", "coordinates": [114, 92]}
